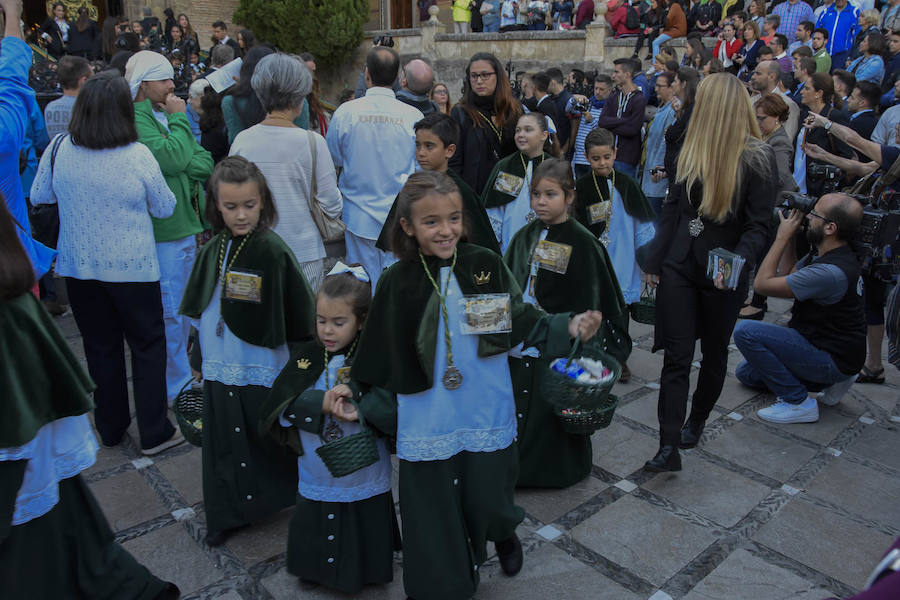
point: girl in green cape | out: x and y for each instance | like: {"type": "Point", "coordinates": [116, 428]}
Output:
{"type": "Point", "coordinates": [249, 300]}
{"type": "Point", "coordinates": [441, 324]}
{"type": "Point", "coordinates": [580, 276]}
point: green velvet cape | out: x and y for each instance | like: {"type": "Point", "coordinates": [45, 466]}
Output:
{"type": "Point", "coordinates": [478, 226]}
{"type": "Point", "coordinates": [589, 282]}
{"type": "Point", "coordinates": [287, 311]}
{"type": "Point", "coordinates": [636, 204]}
{"type": "Point", "coordinates": [41, 379]}
{"type": "Point", "coordinates": [397, 348]}
{"type": "Point", "coordinates": [512, 164]}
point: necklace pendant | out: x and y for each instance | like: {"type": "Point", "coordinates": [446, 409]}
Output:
{"type": "Point", "coordinates": [531, 217]}
{"type": "Point", "coordinates": [220, 327]}
{"type": "Point", "coordinates": [695, 227]}
{"type": "Point", "coordinates": [333, 431]}
{"type": "Point", "coordinates": [604, 239]}
{"type": "Point", "coordinates": [452, 378]}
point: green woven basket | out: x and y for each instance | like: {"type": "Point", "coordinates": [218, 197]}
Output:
{"type": "Point", "coordinates": [644, 311]}
{"type": "Point", "coordinates": [563, 392]}
{"type": "Point", "coordinates": [585, 421]}
{"type": "Point", "coordinates": [350, 453]}
{"type": "Point", "coordinates": [188, 409]}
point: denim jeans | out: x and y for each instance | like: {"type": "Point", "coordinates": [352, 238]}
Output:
{"type": "Point", "coordinates": [624, 167]}
{"type": "Point", "coordinates": [780, 359]}
{"type": "Point", "coordinates": [660, 39]}
{"type": "Point", "coordinates": [176, 259]}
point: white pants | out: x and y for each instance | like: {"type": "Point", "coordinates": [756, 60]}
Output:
{"type": "Point", "coordinates": [176, 259]}
{"type": "Point", "coordinates": [460, 27]}
{"type": "Point", "coordinates": [363, 251]}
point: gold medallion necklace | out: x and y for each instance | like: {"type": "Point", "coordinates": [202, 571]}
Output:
{"type": "Point", "coordinates": [452, 378]}
{"type": "Point", "coordinates": [220, 325]}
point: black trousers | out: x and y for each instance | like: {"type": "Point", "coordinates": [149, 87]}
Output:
{"type": "Point", "coordinates": [105, 313]}
{"type": "Point", "coordinates": [689, 308]}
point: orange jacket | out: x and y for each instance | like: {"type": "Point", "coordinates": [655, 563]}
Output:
{"type": "Point", "coordinates": [676, 23]}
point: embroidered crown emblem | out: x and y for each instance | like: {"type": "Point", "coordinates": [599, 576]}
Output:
{"type": "Point", "coordinates": [483, 278]}
{"type": "Point", "coordinates": [303, 363]}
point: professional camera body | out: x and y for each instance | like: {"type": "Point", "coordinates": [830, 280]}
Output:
{"type": "Point", "coordinates": [581, 107]}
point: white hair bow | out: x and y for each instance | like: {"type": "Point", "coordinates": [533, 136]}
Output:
{"type": "Point", "coordinates": [358, 271]}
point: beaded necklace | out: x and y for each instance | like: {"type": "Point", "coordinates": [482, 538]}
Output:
{"type": "Point", "coordinates": [220, 326]}
{"type": "Point", "coordinates": [452, 378]}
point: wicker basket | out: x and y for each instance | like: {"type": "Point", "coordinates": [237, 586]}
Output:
{"type": "Point", "coordinates": [644, 310]}
{"type": "Point", "coordinates": [188, 409]}
{"type": "Point", "coordinates": [350, 453]}
{"type": "Point", "coordinates": [585, 421]}
{"type": "Point", "coordinates": [563, 392]}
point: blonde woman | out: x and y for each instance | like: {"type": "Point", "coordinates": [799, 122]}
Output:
{"type": "Point", "coordinates": [723, 197]}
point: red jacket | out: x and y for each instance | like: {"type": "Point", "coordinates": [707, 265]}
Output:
{"type": "Point", "coordinates": [616, 19]}
{"type": "Point", "coordinates": [585, 13]}
{"type": "Point", "coordinates": [730, 47]}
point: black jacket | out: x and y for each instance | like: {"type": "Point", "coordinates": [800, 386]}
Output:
{"type": "Point", "coordinates": [864, 124]}
{"type": "Point", "coordinates": [829, 143]}
{"type": "Point", "coordinates": [85, 43]}
{"type": "Point", "coordinates": [744, 232]}
{"type": "Point", "coordinates": [479, 149]}
{"type": "Point", "coordinates": [55, 45]}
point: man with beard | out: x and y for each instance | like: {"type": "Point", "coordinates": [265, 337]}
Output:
{"type": "Point", "coordinates": [824, 345]}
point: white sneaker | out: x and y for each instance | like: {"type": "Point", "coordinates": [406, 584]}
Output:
{"type": "Point", "coordinates": [785, 412]}
{"type": "Point", "coordinates": [833, 393]}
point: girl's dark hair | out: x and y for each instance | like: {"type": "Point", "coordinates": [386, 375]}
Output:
{"type": "Point", "coordinates": [211, 105]}
{"type": "Point", "coordinates": [506, 107]}
{"type": "Point", "coordinates": [877, 44]}
{"type": "Point", "coordinates": [691, 79]}
{"type": "Point", "coordinates": [103, 114]}
{"type": "Point", "coordinates": [16, 272]}
{"type": "Point", "coordinates": [551, 144]}
{"type": "Point", "coordinates": [346, 285]}
{"type": "Point", "coordinates": [559, 171]}
{"type": "Point", "coordinates": [419, 185]}
{"type": "Point", "coordinates": [253, 111]}
{"type": "Point", "coordinates": [248, 38]}
{"type": "Point", "coordinates": [237, 169]}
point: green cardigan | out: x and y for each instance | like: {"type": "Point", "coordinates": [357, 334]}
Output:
{"type": "Point", "coordinates": [185, 166]}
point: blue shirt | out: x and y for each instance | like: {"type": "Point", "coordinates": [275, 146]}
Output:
{"type": "Point", "coordinates": [584, 128]}
{"type": "Point", "coordinates": [373, 141]}
{"type": "Point", "coordinates": [656, 151]}
{"type": "Point", "coordinates": [868, 68]}
{"type": "Point", "coordinates": [194, 120]}
{"type": "Point", "coordinates": [842, 26]}
{"type": "Point", "coordinates": [35, 140]}
{"type": "Point", "coordinates": [439, 423]}
{"type": "Point", "coordinates": [822, 283]}
{"type": "Point", "coordinates": [16, 103]}
{"type": "Point", "coordinates": [315, 482]}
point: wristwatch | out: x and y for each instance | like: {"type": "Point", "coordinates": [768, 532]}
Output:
{"type": "Point", "coordinates": [828, 125]}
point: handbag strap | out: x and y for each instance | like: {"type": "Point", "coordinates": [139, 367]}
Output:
{"type": "Point", "coordinates": [58, 139]}
{"type": "Point", "coordinates": [313, 184]}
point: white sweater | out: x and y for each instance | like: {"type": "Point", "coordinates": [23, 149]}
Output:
{"type": "Point", "coordinates": [283, 155]}
{"type": "Point", "coordinates": [106, 198]}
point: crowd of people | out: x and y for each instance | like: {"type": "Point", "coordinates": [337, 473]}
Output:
{"type": "Point", "coordinates": [482, 238]}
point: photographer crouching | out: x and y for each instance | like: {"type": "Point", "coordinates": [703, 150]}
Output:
{"type": "Point", "coordinates": [824, 344]}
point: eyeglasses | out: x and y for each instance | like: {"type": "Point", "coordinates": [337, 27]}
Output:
{"type": "Point", "coordinates": [813, 213]}
{"type": "Point", "coordinates": [481, 76]}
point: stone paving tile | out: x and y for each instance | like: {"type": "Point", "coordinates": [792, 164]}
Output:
{"type": "Point", "coordinates": [645, 365]}
{"type": "Point", "coordinates": [756, 448]}
{"type": "Point", "coordinates": [825, 541]}
{"type": "Point", "coordinates": [642, 538]}
{"type": "Point", "coordinates": [644, 410]}
{"type": "Point", "coordinates": [713, 492]}
{"type": "Point", "coordinates": [859, 489]}
{"type": "Point", "coordinates": [184, 472]}
{"type": "Point", "coordinates": [107, 458]}
{"type": "Point", "coordinates": [171, 554]}
{"type": "Point", "coordinates": [883, 396]}
{"type": "Point", "coordinates": [830, 423]}
{"type": "Point", "coordinates": [262, 540]}
{"type": "Point", "coordinates": [743, 576]}
{"type": "Point", "coordinates": [551, 573]}
{"type": "Point", "coordinates": [284, 586]}
{"type": "Point", "coordinates": [622, 450]}
{"type": "Point", "coordinates": [881, 444]}
{"type": "Point", "coordinates": [127, 500]}
{"type": "Point", "coordinates": [549, 505]}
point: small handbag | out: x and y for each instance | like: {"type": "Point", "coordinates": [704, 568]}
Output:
{"type": "Point", "coordinates": [331, 229]}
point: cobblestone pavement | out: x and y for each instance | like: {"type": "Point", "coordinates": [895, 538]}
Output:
{"type": "Point", "coordinates": [760, 511]}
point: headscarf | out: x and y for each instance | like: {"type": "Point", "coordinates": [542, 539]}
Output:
{"type": "Point", "coordinates": [147, 66]}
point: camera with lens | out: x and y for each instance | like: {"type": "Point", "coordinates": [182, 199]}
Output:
{"type": "Point", "coordinates": [795, 201]}
{"type": "Point", "coordinates": [384, 40]}
{"type": "Point", "coordinates": [878, 238]}
{"type": "Point", "coordinates": [830, 175]}
{"type": "Point", "coordinates": [581, 107]}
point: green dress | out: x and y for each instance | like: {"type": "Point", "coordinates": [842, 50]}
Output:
{"type": "Point", "coordinates": [69, 551]}
{"type": "Point", "coordinates": [341, 545]}
{"type": "Point", "coordinates": [449, 508]}
{"type": "Point", "coordinates": [548, 455]}
{"type": "Point", "coordinates": [247, 476]}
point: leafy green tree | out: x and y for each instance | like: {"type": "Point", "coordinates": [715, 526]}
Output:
{"type": "Point", "coordinates": [330, 29]}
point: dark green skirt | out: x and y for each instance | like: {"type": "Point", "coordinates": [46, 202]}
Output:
{"type": "Point", "coordinates": [344, 545]}
{"type": "Point", "coordinates": [449, 510]}
{"type": "Point", "coordinates": [548, 455]}
{"type": "Point", "coordinates": [70, 553]}
{"type": "Point", "coordinates": [246, 478]}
